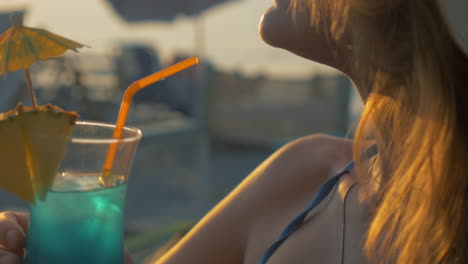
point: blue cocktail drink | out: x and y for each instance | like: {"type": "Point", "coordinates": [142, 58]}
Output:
{"type": "Point", "coordinates": [78, 226]}
{"type": "Point", "coordinates": [80, 220]}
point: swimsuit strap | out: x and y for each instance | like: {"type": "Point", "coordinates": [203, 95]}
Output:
{"type": "Point", "coordinates": [319, 196]}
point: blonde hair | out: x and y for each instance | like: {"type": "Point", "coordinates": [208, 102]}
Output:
{"type": "Point", "coordinates": [416, 80]}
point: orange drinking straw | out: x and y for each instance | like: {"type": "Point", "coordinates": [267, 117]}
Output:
{"type": "Point", "coordinates": [127, 99]}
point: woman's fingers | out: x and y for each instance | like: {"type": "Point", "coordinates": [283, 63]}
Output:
{"type": "Point", "coordinates": [7, 257]}
{"type": "Point", "coordinates": [20, 217]}
{"type": "Point", "coordinates": [13, 227]}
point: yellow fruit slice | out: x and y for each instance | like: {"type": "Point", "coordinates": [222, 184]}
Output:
{"type": "Point", "coordinates": [14, 172]}
{"type": "Point", "coordinates": [33, 144]}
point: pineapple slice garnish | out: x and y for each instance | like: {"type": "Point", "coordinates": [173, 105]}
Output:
{"type": "Point", "coordinates": [33, 143]}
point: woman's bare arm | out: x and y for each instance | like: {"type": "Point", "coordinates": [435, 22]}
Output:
{"type": "Point", "coordinates": [222, 235]}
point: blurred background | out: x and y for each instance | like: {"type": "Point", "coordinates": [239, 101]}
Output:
{"type": "Point", "coordinates": [205, 128]}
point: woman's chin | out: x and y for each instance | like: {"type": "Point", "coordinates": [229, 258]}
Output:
{"type": "Point", "coordinates": [279, 28]}
{"type": "Point", "coordinates": [273, 26]}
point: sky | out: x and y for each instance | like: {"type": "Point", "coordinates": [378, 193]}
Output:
{"type": "Point", "coordinates": [231, 39]}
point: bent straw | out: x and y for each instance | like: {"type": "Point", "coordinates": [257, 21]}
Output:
{"type": "Point", "coordinates": [127, 99]}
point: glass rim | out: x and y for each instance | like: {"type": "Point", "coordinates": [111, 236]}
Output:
{"type": "Point", "coordinates": [135, 136]}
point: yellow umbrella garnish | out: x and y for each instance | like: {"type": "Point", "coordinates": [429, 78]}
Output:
{"type": "Point", "coordinates": [21, 46]}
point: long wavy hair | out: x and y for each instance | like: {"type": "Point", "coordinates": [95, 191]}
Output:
{"type": "Point", "coordinates": [416, 83]}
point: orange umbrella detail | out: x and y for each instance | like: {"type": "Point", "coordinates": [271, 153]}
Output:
{"type": "Point", "coordinates": [21, 46]}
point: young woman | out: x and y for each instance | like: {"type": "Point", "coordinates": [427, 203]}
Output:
{"type": "Point", "coordinates": [405, 204]}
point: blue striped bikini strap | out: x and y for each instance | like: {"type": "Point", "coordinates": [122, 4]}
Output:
{"type": "Point", "coordinates": [319, 196]}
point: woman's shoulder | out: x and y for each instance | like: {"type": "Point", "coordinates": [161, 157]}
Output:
{"type": "Point", "coordinates": [259, 207]}
{"type": "Point", "coordinates": [284, 184]}
{"type": "Point", "coordinates": [320, 150]}
{"type": "Point", "coordinates": [308, 161]}
{"type": "Point", "coordinates": [291, 176]}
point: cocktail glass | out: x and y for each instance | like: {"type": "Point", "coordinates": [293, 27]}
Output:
{"type": "Point", "coordinates": [81, 220]}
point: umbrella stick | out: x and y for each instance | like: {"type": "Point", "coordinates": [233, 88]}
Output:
{"type": "Point", "coordinates": [30, 88]}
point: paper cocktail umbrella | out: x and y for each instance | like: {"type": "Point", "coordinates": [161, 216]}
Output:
{"type": "Point", "coordinates": [21, 46]}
